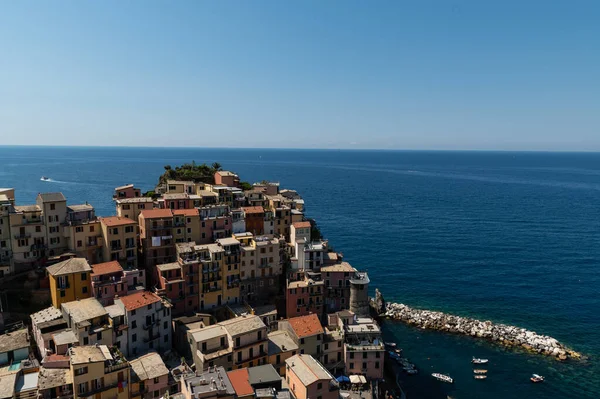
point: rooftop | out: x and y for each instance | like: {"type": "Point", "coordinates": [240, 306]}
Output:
{"type": "Point", "coordinates": [175, 196]}
{"type": "Point", "coordinates": [226, 173]}
{"type": "Point", "coordinates": [186, 182]}
{"type": "Point", "coordinates": [138, 300]}
{"type": "Point", "coordinates": [264, 310]}
{"type": "Point", "coordinates": [307, 369]}
{"type": "Point", "coordinates": [14, 340]}
{"type": "Point", "coordinates": [52, 197]}
{"type": "Point", "coordinates": [253, 209]}
{"type": "Point", "coordinates": [26, 382]}
{"type": "Point", "coordinates": [69, 266]}
{"type": "Point", "coordinates": [65, 337]}
{"type": "Point", "coordinates": [100, 269]}
{"type": "Point", "coordinates": [243, 324]}
{"type": "Point", "coordinates": [360, 278]}
{"type": "Point", "coordinates": [264, 373]}
{"type": "Point", "coordinates": [168, 266]}
{"type": "Point", "coordinates": [52, 378]}
{"type": "Point", "coordinates": [7, 385]}
{"type": "Point", "coordinates": [124, 187]}
{"type": "Point", "coordinates": [135, 200]}
{"type": "Point", "coordinates": [80, 208]}
{"type": "Point", "coordinates": [113, 221]}
{"type": "Point", "coordinates": [114, 311]}
{"type": "Point", "coordinates": [214, 380]}
{"type": "Point", "coordinates": [339, 267]}
{"type": "Point", "coordinates": [208, 332]}
{"type": "Point", "coordinates": [48, 314]}
{"type": "Point", "coordinates": [90, 354]}
{"type": "Point", "coordinates": [280, 341]}
{"type": "Point", "coordinates": [301, 225]}
{"type": "Point", "coordinates": [240, 382]}
{"type": "Point", "coordinates": [156, 213]}
{"type": "Point", "coordinates": [148, 366]}
{"type": "Point", "coordinates": [186, 212]}
{"type": "Point", "coordinates": [228, 241]}
{"type": "Point", "coordinates": [206, 193]}
{"type": "Point", "coordinates": [84, 309]}
{"type": "Point", "coordinates": [306, 326]}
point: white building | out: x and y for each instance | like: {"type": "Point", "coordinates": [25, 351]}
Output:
{"type": "Point", "coordinates": [148, 320]}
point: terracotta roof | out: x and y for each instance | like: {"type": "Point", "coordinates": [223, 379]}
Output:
{"type": "Point", "coordinates": [138, 300]}
{"type": "Point", "coordinates": [240, 382]}
{"type": "Point", "coordinates": [186, 212]}
{"type": "Point", "coordinates": [305, 326]}
{"type": "Point", "coordinates": [113, 221]}
{"type": "Point", "coordinates": [301, 225]}
{"type": "Point", "coordinates": [253, 209]}
{"type": "Point", "coordinates": [157, 213]}
{"type": "Point", "coordinates": [106, 268]}
{"type": "Point", "coordinates": [69, 266]}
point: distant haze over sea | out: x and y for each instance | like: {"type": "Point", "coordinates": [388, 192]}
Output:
{"type": "Point", "coordinates": [512, 237]}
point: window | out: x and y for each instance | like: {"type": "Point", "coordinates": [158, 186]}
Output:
{"type": "Point", "coordinates": [320, 385]}
{"type": "Point", "coordinates": [84, 290]}
{"type": "Point", "coordinates": [52, 207]}
{"type": "Point", "coordinates": [165, 325]}
{"type": "Point", "coordinates": [115, 231]}
{"type": "Point", "coordinates": [133, 312]}
{"type": "Point", "coordinates": [376, 365]}
{"type": "Point", "coordinates": [128, 229]}
{"type": "Point", "coordinates": [155, 393]}
{"type": "Point", "coordinates": [364, 366]}
{"type": "Point", "coordinates": [259, 335]}
{"type": "Point", "coordinates": [134, 324]}
{"type": "Point", "coordinates": [351, 355]}
{"type": "Point", "coordinates": [377, 354]}
{"type": "Point", "coordinates": [82, 387]}
{"type": "Point", "coordinates": [301, 341]}
{"type": "Point", "coordinates": [81, 371]}
{"type": "Point", "coordinates": [364, 355]}
{"type": "Point", "coordinates": [351, 365]}
{"type": "Point", "coordinates": [86, 340]}
{"type": "Point", "coordinates": [134, 338]}
{"type": "Point", "coordinates": [83, 276]}
{"type": "Point", "coordinates": [237, 341]}
{"type": "Point", "coordinates": [166, 338]}
{"type": "Point", "coordinates": [91, 229]}
{"type": "Point", "coordinates": [99, 336]}
{"type": "Point", "coordinates": [150, 307]}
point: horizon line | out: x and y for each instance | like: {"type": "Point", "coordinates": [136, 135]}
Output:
{"type": "Point", "coordinates": [297, 148]}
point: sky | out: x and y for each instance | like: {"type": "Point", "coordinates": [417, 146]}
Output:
{"type": "Point", "coordinates": [497, 75]}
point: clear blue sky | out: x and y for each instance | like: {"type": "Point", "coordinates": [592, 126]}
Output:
{"type": "Point", "coordinates": [308, 74]}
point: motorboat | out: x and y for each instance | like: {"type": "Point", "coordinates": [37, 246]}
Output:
{"type": "Point", "coordinates": [537, 378]}
{"type": "Point", "coordinates": [394, 355]}
{"type": "Point", "coordinates": [443, 378]}
{"type": "Point", "coordinates": [479, 361]}
{"type": "Point", "coordinates": [390, 344]}
{"type": "Point", "coordinates": [411, 371]}
{"type": "Point", "coordinates": [480, 371]}
{"type": "Point", "coordinates": [480, 377]}
{"type": "Point", "coordinates": [44, 178]}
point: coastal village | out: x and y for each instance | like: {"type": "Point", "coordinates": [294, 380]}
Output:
{"type": "Point", "coordinates": [199, 289]}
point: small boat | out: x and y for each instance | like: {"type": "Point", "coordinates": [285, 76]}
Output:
{"type": "Point", "coordinates": [479, 371]}
{"type": "Point", "coordinates": [411, 371]}
{"type": "Point", "coordinates": [480, 377]}
{"type": "Point", "coordinates": [390, 344]}
{"type": "Point", "coordinates": [442, 377]}
{"type": "Point", "coordinates": [537, 378]}
{"type": "Point", "coordinates": [394, 355]}
{"type": "Point", "coordinates": [479, 361]}
{"type": "Point", "coordinates": [44, 178]}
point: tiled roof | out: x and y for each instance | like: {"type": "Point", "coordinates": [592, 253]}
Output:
{"type": "Point", "coordinates": [305, 326]}
{"type": "Point", "coordinates": [148, 366]}
{"type": "Point", "coordinates": [240, 381]}
{"type": "Point", "coordinates": [301, 225]}
{"type": "Point", "coordinates": [85, 309]}
{"type": "Point", "coordinates": [253, 209]}
{"type": "Point", "coordinates": [113, 221]}
{"type": "Point", "coordinates": [106, 268]}
{"type": "Point", "coordinates": [69, 266]}
{"type": "Point", "coordinates": [14, 340]}
{"type": "Point", "coordinates": [51, 377]}
{"type": "Point", "coordinates": [139, 299]}
{"type": "Point", "coordinates": [48, 314]}
{"type": "Point", "coordinates": [186, 212]}
{"type": "Point", "coordinates": [338, 267]}
{"type": "Point", "coordinates": [157, 213]}
{"type": "Point", "coordinates": [80, 208]}
{"type": "Point", "coordinates": [307, 369]}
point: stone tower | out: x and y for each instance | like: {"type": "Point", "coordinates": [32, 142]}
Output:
{"type": "Point", "coordinates": [359, 294]}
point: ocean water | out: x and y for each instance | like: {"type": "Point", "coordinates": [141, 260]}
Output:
{"type": "Point", "coordinates": [512, 237]}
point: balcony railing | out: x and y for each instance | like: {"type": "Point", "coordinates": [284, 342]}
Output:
{"type": "Point", "coordinates": [98, 389]}
{"type": "Point", "coordinates": [21, 236]}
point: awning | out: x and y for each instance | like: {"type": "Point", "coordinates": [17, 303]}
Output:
{"type": "Point", "coordinates": [343, 378]}
{"type": "Point", "coordinates": [355, 379]}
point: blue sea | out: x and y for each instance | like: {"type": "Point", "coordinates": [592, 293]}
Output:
{"type": "Point", "coordinates": [511, 237]}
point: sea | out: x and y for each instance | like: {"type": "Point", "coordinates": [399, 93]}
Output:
{"type": "Point", "coordinates": [511, 237]}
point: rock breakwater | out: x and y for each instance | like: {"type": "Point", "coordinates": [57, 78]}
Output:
{"type": "Point", "coordinates": [503, 334]}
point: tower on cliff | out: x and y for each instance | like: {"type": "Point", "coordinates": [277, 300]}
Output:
{"type": "Point", "coordinates": [359, 294]}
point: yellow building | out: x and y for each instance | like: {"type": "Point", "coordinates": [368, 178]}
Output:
{"type": "Point", "coordinates": [28, 236]}
{"type": "Point", "coordinates": [54, 209]}
{"type": "Point", "coordinates": [69, 281]}
{"type": "Point", "coordinates": [119, 240]}
{"type": "Point", "coordinates": [99, 372]}
{"type": "Point", "coordinates": [281, 347]}
{"type": "Point", "coordinates": [186, 224]}
{"type": "Point", "coordinates": [132, 207]}
{"type": "Point", "coordinates": [231, 269]}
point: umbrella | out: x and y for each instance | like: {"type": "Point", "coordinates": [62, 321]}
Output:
{"type": "Point", "coordinates": [343, 378]}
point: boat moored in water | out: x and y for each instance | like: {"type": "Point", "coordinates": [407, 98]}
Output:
{"type": "Point", "coordinates": [443, 378]}
{"type": "Point", "coordinates": [479, 371]}
{"type": "Point", "coordinates": [479, 361]}
{"type": "Point", "coordinates": [537, 378]}
{"type": "Point", "coordinates": [480, 377]}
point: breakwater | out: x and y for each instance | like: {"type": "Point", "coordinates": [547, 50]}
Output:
{"type": "Point", "coordinates": [502, 334]}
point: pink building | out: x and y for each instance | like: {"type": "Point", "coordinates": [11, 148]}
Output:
{"type": "Point", "coordinates": [304, 297]}
{"type": "Point", "coordinates": [109, 279]}
{"type": "Point", "coordinates": [176, 201]}
{"type": "Point", "coordinates": [227, 178]}
{"type": "Point", "coordinates": [337, 286]}
{"type": "Point", "coordinates": [307, 378]}
{"type": "Point", "coordinates": [149, 376]}
{"type": "Point", "coordinates": [127, 191]}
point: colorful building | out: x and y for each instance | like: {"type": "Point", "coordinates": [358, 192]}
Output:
{"type": "Point", "coordinates": [69, 281]}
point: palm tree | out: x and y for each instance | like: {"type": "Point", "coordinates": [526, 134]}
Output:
{"type": "Point", "coordinates": [216, 166]}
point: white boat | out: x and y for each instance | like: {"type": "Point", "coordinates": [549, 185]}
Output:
{"type": "Point", "coordinates": [411, 371]}
{"type": "Point", "coordinates": [390, 344]}
{"type": "Point", "coordinates": [479, 361]}
{"type": "Point", "coordinates": [480, 377]}
{"type": "Point", "coordinates": [44, 178]}
{"type": "Point", "coordinates": [442, 377]}
{"type": "Point", "coordinates": [479, 371]}
{"type": "Point", "coordinates": [537, 378]}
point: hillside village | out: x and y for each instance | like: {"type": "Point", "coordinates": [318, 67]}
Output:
{"type": "Point", "coordinates": [201, 290]}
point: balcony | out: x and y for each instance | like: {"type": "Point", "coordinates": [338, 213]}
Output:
{"type": "Point", "coordinates": [22, 236]}
{"type": "Point", "coordinates": [179, 224]}
{"type": "Point", "coordinates": [38, 247]}
{"type": "Point", "coordinates": [130, 244]}
{"type": "Point", "coordinates": [98, 389]}
{"type": "Point", "coordinates": [152, 324]}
